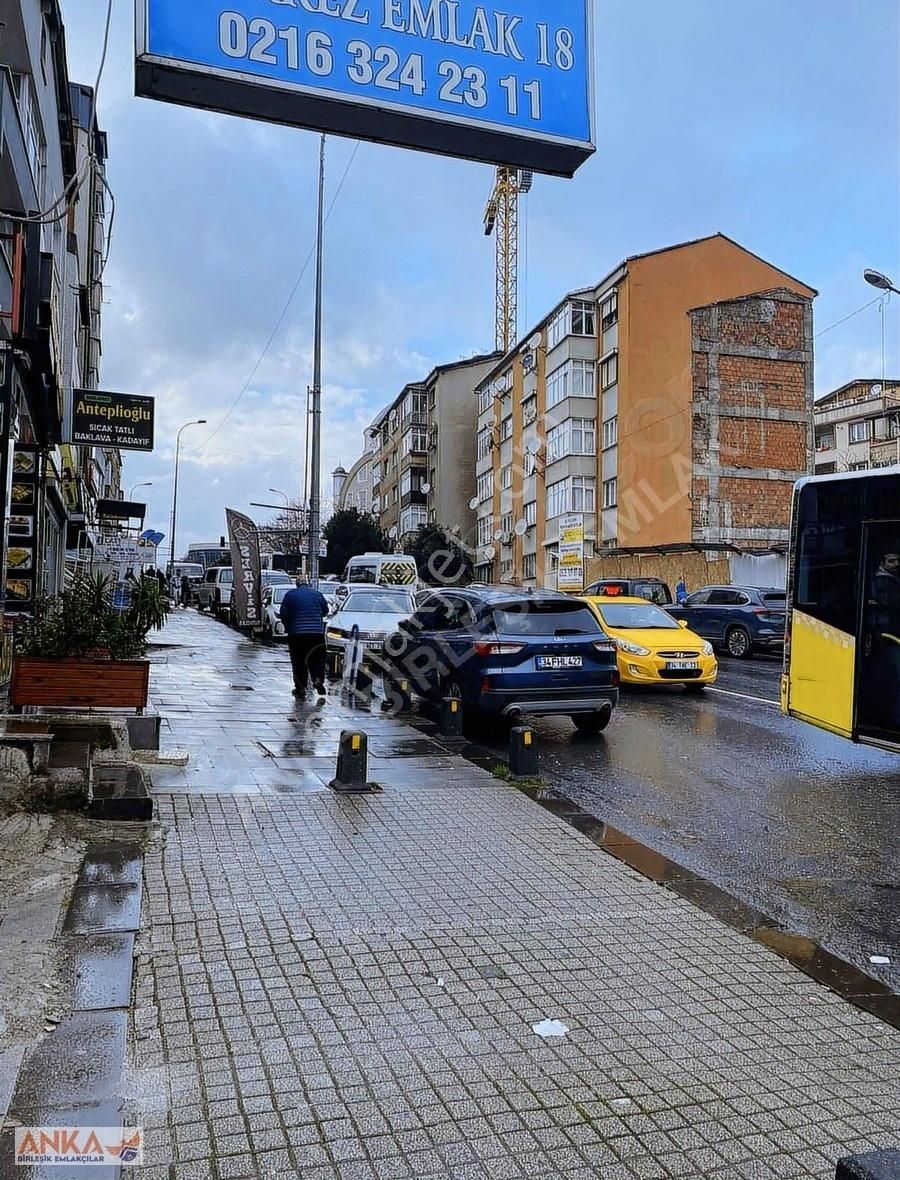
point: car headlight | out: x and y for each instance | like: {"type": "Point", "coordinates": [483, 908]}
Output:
{"type": "Point", "coordinates": [632, 649]}
{"type": "Point", "coordinates": [334, 633]}
{"type": "Point", "coordinates": [708, 649]}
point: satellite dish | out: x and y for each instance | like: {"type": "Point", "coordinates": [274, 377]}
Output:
{"type": "Point", "coordinates": [521, 528]}
{"type": "Point", "coordinates": [533, 446]}
{"type": "Point", "coordinates": [490, 553]}
{"type": "Point", "coordinates": [498, 536]}
{"type": "Point", "coordinates": [474, 502]}
{"type": "Point", "coordinates": [394, 533]}
{"type": "Point", "coordinates": [426, 488]}
{"type": "Point", "coordinates": [535, 342]}
{"type": "Point", "coordinates": [875, 391]}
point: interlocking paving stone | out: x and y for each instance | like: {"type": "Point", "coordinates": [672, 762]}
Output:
{"type": "Point", "coordinates": [291, 963]}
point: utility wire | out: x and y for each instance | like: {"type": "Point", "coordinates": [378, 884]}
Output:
{"type": "Point", "coordinates": [290, 299]}
{"type": "Point", "coordinates": [838, 323]}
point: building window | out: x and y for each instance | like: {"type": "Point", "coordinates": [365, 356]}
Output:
{"type": "Point", "coordinates": [860, 432]}
{"type": "Point", "coordinates": [825, 440]}
{"type": "Point", "coordinates": [578, 318]}
{"type": "Point", "coordinates": [864, 466]}
{"type": "Point", "coordinates": [610, 433]}
{"type": "Point", "coordinates": [506, 571]}
{"type": "Point", "coordinates": [506, 527]}
{"type": "Point", "coordinates": [412, 482]}
{"type": "Point", "coordinates": [506, 477]}
{"type": "Point", "coordinates": [575, 436]}
{"type": "Point", "coordinates": [486, 486]}
{"type": "Point", "coordinates": [609, 311]}
{"type": "Point", "coordinates": [415, 441]}
{"type": "Point", "coordinates": [485, 400]}
{"type": "Point", "coordinates": [584, 318]}
{"type": "Point", "coordinates": [582, 378]}
{"type": "Point", "coordinates": [412, 519]}
{"type": "Point", "coordinates": [557, 386]}
{"type": "Point", "coordinates": [529, 464]}
{"type": "Point", "coordinates": [530, 513]}
{"type": "Point", "coordinates": [485, 530]}
{"type": "Point", "coordinates": [506, 429]}
{"type": "Point", "coordinates": [610, 493]}
{"type": "Point", "coordinates": [529, 567]}
{"type": "Point", "coordinates": [485, 442]}
{"type": "Point", "coordinates": [576, 494]}
{"type": "Point", "coordinates": [529, 410]}
{"type": "Point", "coordinates": [609, 371]}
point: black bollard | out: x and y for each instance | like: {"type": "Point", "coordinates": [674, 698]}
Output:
{"type": "Point", "coordinates": [875, 1165]}
{"type": "Point", "coordinates": [523, 753]}
{"type": "Point", "coordinates": [451, 723]}
{"type": "Point", "coordinates": [398, 697]}
{"type": "Point", "coordinates": [353, 765]}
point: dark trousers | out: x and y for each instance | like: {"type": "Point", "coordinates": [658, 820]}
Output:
{"type": "Point", "coordinates": [307, 659]}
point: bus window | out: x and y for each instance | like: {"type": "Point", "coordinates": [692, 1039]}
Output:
{"type": "Point", "coordinates": [828, 574]}
{"type": "Point", "coordinates": [878, 709]}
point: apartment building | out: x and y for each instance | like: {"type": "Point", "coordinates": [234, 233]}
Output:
{"type": "Point", "coordinates": [51, 160]}
{"type": "Point", "coordinates": [354, 488]}
{"type": "Point", "coordinates": [858, 427]}
{"type": "Point", "coordinates": [670, 403]}
{"type": "Point", "coordinates": [424, 466]}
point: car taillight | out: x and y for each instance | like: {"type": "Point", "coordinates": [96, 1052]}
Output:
{"type": "Point", "coordinates": [616, 678]}
{"type": "Point", "coordinates": [498, 649]}
{"type": "Point", "coordinates": [604, 645]}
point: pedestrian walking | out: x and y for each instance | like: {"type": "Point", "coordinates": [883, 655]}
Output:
{"type": "Point", "coordinates": [303, 613]}
{"type": "Point", "coordinates": [185, 592]}
{"type": "Point", "coordinates": [681, 593]}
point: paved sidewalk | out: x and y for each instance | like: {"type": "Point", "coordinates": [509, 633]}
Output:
{"type": "Point", "coordinates": [333, 987]}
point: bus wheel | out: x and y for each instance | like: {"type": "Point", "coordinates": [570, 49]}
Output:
{"type": "Point", "coordinates": [738, 643]}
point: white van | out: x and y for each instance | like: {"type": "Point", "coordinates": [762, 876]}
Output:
{"type": "Point", "coordinates": [382, 569]}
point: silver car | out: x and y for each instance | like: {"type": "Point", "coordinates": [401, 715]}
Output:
{"type": "Point", "coordinates": [375, 610]}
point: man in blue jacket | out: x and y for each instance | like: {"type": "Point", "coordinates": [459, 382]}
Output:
{"type": "Point", "coordinates": [303, 612]}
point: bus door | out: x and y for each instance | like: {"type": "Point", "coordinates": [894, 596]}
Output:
{"type": "Point", "coordinates": [878, 656]}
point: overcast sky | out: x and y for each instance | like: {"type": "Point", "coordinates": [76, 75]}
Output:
{"type": "Point", "coordinates": [775, 123]}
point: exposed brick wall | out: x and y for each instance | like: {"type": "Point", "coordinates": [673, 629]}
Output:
{"type": "Point", "coordinates": [756, 381]}
{"type": "Point", "coordinates": [752, 411]}
{"type": "Point", "coordinates": [757, 443]}
{"type": "Point", "coordinates": [757, 503]}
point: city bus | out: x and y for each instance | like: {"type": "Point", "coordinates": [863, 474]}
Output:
{"type": "Point", "coordinates": [842, 650]}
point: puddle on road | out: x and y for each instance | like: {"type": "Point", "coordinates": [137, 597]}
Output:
{"type": "Point", "coordinates": [804, 953]}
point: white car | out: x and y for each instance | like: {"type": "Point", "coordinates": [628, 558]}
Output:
{"type": "Point", "coordinates": [272, 626]}
{"type": "Point", "coordinates": [375, 610]}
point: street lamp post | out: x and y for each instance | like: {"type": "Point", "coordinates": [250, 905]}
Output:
{"type": "Point", "coordinates": [146, 484]}
{"type": "Point", "coordinates": [196, 422]}
{"type": "Point", "coordinates": [876, 279]}
{"type": "Point", "coordinates": [881, 282]}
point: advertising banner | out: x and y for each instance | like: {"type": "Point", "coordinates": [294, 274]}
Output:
{"type": "Point", "coordinates": [115, 420]}
{"type": "Point", "coordinates": [22, 529]}
{"type": "Point", "coordinates": [508, 83]}
{"type": "Point", "coordinates": [244, 537]}
{"type": "Point", "coordinates": [571, 554]}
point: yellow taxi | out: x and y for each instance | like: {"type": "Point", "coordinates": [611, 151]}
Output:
{"type": "Point", "coordinates": [653, 647]}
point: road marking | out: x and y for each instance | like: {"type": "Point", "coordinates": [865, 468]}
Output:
{"type": "Point", "coordinates": [745, 697]}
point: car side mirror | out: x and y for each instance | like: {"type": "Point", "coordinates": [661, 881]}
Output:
{"type": "Point", "coordinates": [405, 625]}
{"type": "Point", "coordinates": [683, 623]}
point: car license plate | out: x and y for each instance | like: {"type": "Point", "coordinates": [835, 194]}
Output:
{"type": "Point", "coordinates": [682, 666]}
{"type": "Point", "coordinates": [557, 663]}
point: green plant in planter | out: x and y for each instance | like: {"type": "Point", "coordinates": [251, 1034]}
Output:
{"type": "Point", "coordinates": [83, 621]}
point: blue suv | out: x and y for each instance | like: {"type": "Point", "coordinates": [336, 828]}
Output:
{"type": "Point", "coordinates": [507, 652]}
{"type": "Point", "coordinates": [740, 619]}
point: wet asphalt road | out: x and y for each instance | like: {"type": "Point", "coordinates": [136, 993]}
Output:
{"type": "Point", "coordinates": [800, 824]}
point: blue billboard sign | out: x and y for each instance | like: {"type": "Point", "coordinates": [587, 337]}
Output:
{"type": "Point", "coordinates": [507, 82]}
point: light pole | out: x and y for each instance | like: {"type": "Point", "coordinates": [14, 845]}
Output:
{"type": "Point", "coordinates": [315, 419]}
{"type": "Point", "coordinates": [882, 283]}
{"type": "Point", "coordinates": [146, 484]}
{"type": "Point", "coordinates": [196, 422]}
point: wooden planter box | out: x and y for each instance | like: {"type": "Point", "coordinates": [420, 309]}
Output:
{"type": "Point", "coordinates": [79, 683]}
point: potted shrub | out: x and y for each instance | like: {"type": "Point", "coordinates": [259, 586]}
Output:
{"type": "Point", "coordinates": [83, 648]}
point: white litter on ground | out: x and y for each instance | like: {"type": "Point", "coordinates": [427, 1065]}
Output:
{"type": "Point", "coordinates": [550, 1028]}
{"type": "Point", "coordinates": [440, 981]}
{"type": "Point", "coordinates": [880, 960]}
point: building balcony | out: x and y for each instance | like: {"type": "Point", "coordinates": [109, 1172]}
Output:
{"type": "Point", "coordinates": [17, 188]}
{"type": "Point", "coordinates": [413, 498]}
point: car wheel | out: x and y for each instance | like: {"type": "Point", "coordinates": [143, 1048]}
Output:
{"type": "Point", "coordinates": [738, 643]}
{"type": "Point", "coordinates": [592, 722]}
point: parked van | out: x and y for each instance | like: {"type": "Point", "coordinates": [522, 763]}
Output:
{"type": "Point", "coordinates": [215, 590]}
{"type": "Point", "coordinates": [382, 569]}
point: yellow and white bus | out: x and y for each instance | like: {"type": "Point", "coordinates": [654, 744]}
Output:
{"type": "Point", "coordinates": [842, 651]}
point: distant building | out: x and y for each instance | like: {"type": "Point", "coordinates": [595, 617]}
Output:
{"type": "Point", "coordinates": [354, 488]}
{"type": "Point", "coordinates": [858, 427]}
{"type": "Point", "coordinates": [669, 404]}
{"type": "Point", "coordinates": [424, 465]}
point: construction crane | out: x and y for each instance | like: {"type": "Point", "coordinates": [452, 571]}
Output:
{"type": "Point", "coordinates": [501, 218]}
